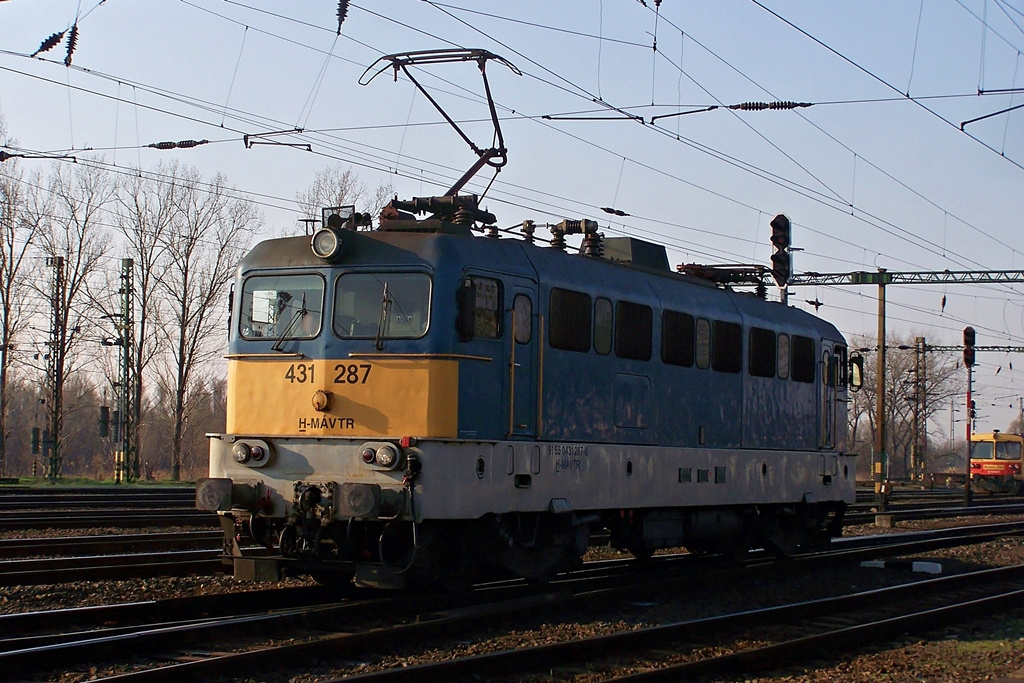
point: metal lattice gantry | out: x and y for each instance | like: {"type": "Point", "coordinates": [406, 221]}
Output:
{"type": "Point", "coordinates": [922, 277]}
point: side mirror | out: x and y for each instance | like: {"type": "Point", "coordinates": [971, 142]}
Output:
{"type": "Point", "coordinates": [856, 371]}
{"type": "Point", "coordinates": [465, 299]}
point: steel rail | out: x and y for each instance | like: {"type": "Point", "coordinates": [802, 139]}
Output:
{"type": "Point", "coordinates": [109, 567]}
{"type": "Point", "coordinates": [101, 502]}
{"type": "Point", "coordinates": [909, 513]}
{"type": "Point", "coordinates": [152, 611]}
{"type": "Point", "coordinates": [110, 543]}
{"type": "Point", "coordinates": [116, 518]}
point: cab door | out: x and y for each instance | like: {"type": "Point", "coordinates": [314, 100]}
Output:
{"type": "Point", "coordinates": [521, 357]}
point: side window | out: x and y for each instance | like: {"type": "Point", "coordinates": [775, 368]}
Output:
{"type": "Point", "coordinates": [633, 335]}
{"type": "Point", "coordinates": [570, 320]}
{"type": "Point", "coordinates": [844, 365]}
{"type": "Point", "coordinates": [703, 346]}
{"type": "Point", "coordinates": [602, 326]}
{"type": "Point", "coordinates": [761, 362]}
{"type": "Point", "coordinates": [804, 359]}
{"type": "Point", "coordinates": [522, 312]}
{"type": "Point", "coordinates": [828, 369]}
{"type": "Point", "coordinates": [783, 356]}
{"type": "Point", "coordinates": [487, 322]}
{"type": "Point", "coordinates": [677, 339]}
{"type": "Point", "coordinates": [727, 347]}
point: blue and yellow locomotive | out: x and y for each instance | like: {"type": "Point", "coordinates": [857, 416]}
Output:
{"type": "Point", "coordinates": [420, 400]}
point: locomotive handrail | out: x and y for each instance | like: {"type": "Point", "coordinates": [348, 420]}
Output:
{"type": "Point", "coordinates": [438, 356]}
{"type": "Point", "coordinates": [277, 354]}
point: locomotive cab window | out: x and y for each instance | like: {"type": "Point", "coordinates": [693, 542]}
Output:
{"type": "Point", "coordinates": [522, 311]}
{"type": "Point", "coordinates": [281, 306]}
{"type": "Point", "coordinates": [384, 305]}
{"type": "Point", "coordinates": [844, 365]}
{"type": "Point", "coordinates": [829, 371]}
{"type": "Point", "coordinates": [486, 310]}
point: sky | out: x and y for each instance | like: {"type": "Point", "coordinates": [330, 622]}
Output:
{"type": "Point", "coordinates": [607, 103]}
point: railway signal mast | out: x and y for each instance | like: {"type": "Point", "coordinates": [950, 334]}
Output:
{"type": "Point", "coordinates": [969, 339]}
{"type": "Point", "coordinates": [55, 368]}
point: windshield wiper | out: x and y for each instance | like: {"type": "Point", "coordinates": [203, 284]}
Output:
{"type": "Point", "coordinates": [382, 323]}
{"type": "Point", "coordinates": [291, 325]}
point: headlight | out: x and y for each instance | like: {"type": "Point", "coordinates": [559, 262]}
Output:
{"type": "Point", "coordinates": [241, 453]}
{"type": "Point", "coordinates": [386, 456]}
{"type": "Point", "coordinates": [327, 244]}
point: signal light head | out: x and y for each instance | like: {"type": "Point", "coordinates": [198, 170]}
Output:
{"type": "Point", "coordinates": [781, 239]}
{"type": "Point", "coordinates": [970, 336]}
{"type": "Point", "coordinates": [781, 231]}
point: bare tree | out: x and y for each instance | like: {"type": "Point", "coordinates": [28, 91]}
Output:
{"type": "Point", "coordinates": [940, 380]}
{"type": "Point", "coordinates": [340, 186]}
{"type": "Point", "coordinates": [71, 233]}
{"type": "Point", "coordinates": [211, 229]}
{"type": "Point", "coordinates": [1016, 425]}
{"type": "Point", "coordinates": [18, 232]}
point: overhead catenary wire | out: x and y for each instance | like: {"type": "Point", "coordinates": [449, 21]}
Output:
{"type": "Point", "coordinates": [233, 3]}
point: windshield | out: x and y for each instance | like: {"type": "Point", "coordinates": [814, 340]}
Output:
{"type": "Point", "coordinates": [281, 307]}
{"type": "Point", "coordinates": [1007, 450]}
{"type": "Point", "coordinates": [382, 305]}
{"type": "Point", "coordinates": [981, 450]}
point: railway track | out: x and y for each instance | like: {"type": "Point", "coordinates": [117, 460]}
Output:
{"type": "Point", "coordinates": [58, 546]}
{"type": "Point", "coordinates": [933, 511]}
{"type": "Point", "coordinates": [80, 508]}
{"type": "Point", "coordinates": [413, 623]}
{"type": "Point", "coordinates": [50, 570]}
{"type": "Point", "coordinates": [729, 644]}
{"type": "Point", "coordinates": [121, 556]}
{"type": "Point", "coordinates": [125, 519]}
{"type": "Point", "coordinates": [69, 499]}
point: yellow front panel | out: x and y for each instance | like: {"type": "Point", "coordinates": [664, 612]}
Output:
{"type": "Point", "coordinates": [366, 398]}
